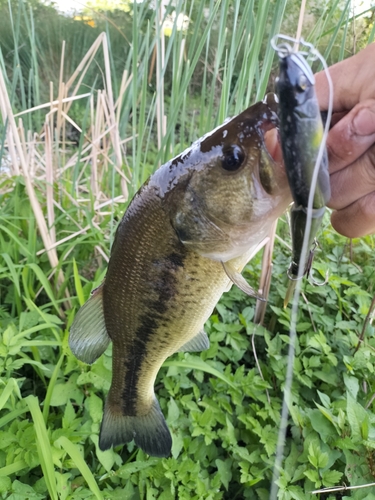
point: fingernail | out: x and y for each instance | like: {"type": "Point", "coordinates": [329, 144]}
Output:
{"type": "Point", "coordinates": [364, 122]}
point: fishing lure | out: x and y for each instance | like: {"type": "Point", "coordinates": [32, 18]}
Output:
{"type": "Point", "coordinates": [301, 135]}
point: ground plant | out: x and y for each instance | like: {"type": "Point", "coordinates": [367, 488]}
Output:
{"type": "Point", "coordinates": [90, 107]}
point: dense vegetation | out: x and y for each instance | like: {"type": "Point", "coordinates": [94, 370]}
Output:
{"type": "Point", "coordinates": [64, 183]}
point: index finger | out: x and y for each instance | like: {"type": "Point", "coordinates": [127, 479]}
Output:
{"type": "Point", "coordinates": [353, 81]}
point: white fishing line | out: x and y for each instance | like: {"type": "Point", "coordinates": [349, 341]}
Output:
{"type": "Point", "coordinates": [312, 52]}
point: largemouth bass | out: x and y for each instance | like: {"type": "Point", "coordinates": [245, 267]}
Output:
{"type": "Point", "coordinates": [301, 134]}
{"type": "Point", "coordinates": [184, 239]}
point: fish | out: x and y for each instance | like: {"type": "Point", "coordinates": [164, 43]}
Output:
{"type": "Point", "coordinates": [301, 134]}
{"type": "Point", "coordinates": [183, 240]}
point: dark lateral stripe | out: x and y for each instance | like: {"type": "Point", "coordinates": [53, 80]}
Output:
{"type": "Point", "coordinates": [155, 313]}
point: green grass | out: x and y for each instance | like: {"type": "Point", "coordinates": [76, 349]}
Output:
{"type": "Point", "coordinates": [223, 413]}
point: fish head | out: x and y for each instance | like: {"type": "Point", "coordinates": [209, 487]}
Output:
{"type": "Point", "coordinates": [225, 191]}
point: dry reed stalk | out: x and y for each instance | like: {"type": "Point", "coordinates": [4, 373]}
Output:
{"type": "Point", "coordinates": [72, 122]}
{"type": "Point", "coordinates": [61, 132]}
{"type": "Point", "coordinates": [115, 136]}
{"type": "Point", "coordinates": [61, 93]}
{"type": "Point", "coordinates": [102, 253]}
{"type": "Point", "coordinates": [41, 223]}
{"type": "Point", "coordinates": [49, 181]}
{"type": "Point", "coordinates": [300, 21]}
{"type": "Point", "coordinates": [107, 119]}
{"type": "Point", "coordinates": [31, 141]}
{"type": "Point", "coordinates": [48, 104]}
{"type": "Point", "coordinates": [83, 67]}
{"type": "Point", "coordinates": [21, 132]}
{"type": "Point", "coordinates": [117, 199]}
{"type": "Point", "coordinates": [265, 277]}
{"type": "Point", "coordinates": [64, 240]}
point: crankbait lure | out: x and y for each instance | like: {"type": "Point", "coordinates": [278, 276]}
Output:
{"type": "Point", "coordinates": [301, 135]}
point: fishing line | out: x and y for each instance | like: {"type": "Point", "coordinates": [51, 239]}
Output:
{"type": "Point", "coordinates": [313, 54]}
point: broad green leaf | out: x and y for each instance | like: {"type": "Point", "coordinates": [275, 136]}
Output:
{"type": "Point", "coordinates": [331, 477]}
{"type": "Point", "coordinates": [224, 471]}
{"type": "Point", "coordinates": [322, 424]}
{"type": "Point", "coordinates": [95, 407]}
{"type": "Point", "coordinates": [357, 415]}
{"type": "Point", "coordinates": [313, 475]}
{"type": "Point", "coordinates": [352, 385]}
{"type": "Point", "coordinates": [108, 457]}
{"type": "Point", "coordinates": [196, 363]}
{"type": "Point", "coordinates": [5, 484]}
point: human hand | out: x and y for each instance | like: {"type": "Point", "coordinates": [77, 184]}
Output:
{"type": "Point", "coordinates": [351, 142]}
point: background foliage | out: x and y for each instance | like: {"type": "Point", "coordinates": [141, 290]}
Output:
{"type": "Point", "coordinates": [223, 412]}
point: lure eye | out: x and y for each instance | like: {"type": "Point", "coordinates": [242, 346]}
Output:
{"type": "Point", "coordinates": [302, 83]}
{"type": "Point", "coordinates": [233, 159]}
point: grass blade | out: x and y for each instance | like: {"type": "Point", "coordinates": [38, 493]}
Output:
{"type": "Point", "coordinates": [43, 446]}
{"type": "Point", "coordinates": [74, 453]}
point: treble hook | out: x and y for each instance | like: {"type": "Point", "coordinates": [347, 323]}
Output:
{"type": "Point", "coordinates": [308, 269]}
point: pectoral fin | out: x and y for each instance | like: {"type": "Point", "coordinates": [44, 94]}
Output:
{"type": "Point", "coordinates": [198, 343]}
{"type": "Point", "coordinates": [240, 281]}
{"type": "Point", "coordinates": [88, 337]}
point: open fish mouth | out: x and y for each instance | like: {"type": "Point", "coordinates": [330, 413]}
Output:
{"type": "Point", "coordinates": [273, 147]}
{"type": "Point", "coordinates": [271, 136]}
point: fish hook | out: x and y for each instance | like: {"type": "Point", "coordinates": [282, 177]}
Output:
{"type": "Point", "coordinates": [308, 269]}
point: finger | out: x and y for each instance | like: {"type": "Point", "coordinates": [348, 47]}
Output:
{"type": "Point", "coordinates": [353, 182]}
{"type": "Point", "coordinates": [353, 81]}
{"type": "Point", "coordinates": [358, 219]}
{"type": "Point", "coordinates": [351, 136]}
{"type": "Point", "coordinates": [336, 117]}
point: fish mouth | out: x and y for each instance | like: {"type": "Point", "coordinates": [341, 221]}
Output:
{"type": "Point", "coordinates": [273, 146]}
{"type": "Point", "coordinates": [270, 129]}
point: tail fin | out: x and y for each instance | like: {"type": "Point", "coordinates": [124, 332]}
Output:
{"type": "Point", "coordinates": [150, 432]}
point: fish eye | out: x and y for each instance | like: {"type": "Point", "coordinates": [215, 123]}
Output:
{"type": "Point", "coordinates": [302, 83]}
{"type": "Point", "coordinates": [233, 159]}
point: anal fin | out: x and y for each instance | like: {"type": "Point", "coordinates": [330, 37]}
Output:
{"type": "Point", "coordinates": [88, 337]}
{"type": "Point", "coordinates": [240, 281]}
{"type": "Point", "coordinates": [198, 343]}
{"type": "Point", "coordinates": [150, 432]}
